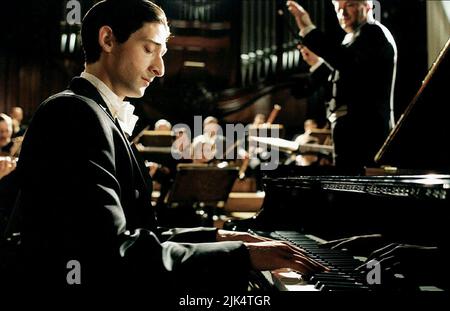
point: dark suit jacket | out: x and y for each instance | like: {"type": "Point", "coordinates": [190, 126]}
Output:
{"type": "Point", "coordinates": [85, 197]}
{"type": "Point", "coordinates": [367, 69]}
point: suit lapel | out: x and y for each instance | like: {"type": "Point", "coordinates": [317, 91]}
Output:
{"type": "Point", "coordinates": [130, 151]}
{"type": "Point", "coordinates": [83, 87]}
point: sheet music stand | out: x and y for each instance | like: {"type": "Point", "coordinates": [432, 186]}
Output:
{"type": "Point", "coordinates": [155, 138]}
{"type": "Point", "coordinates": [198, 183]}
{"type": "Point", "coordinates": [156, 146]}
{"type": "Point", "coordinates": [267, 130]}
{"type": "Point", "coordinates": [323, 136]}
{"type": "Point", "coordinates": [199, 190]}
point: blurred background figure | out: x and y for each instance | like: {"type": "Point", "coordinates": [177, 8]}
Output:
{"type": "Point", "coordinates": [6, 130]}
{"type": "Point", "coordinates": [8, 190]}
{"type": "Point", "coordinates": [8, 186]}
{"type": "Point", "coordinates": [19, 128]}
{"type": "Point", "coordinates": [306, 138]}
{"type": "Point", "coordinates": [163, 125]}
{"type": "Point", "coordinates": [162, 173]}
{"type": "Point", "coordinates": [307, 159]}
{"type": "Point", "coordinates": [209, 145]}
{"type": "Point", "coordinates": [213, 147]}
{"type": "Point", "coordinates": [259, 119]}
{"type": "Point", "coordinates": [182, 143]}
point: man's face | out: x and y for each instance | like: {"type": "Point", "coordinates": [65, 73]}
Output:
{"type": "Point", "coordinates": [212, 129]}
{"type": "Point", "coordinates": [135, 63]}
{"type": "Point", "coordinates": [351, 14]}
{"type": "Point", "coordinates": [17, 114]}
{"type": "Point", "coordinates": [5, 134]}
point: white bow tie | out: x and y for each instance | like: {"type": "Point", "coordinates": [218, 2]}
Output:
{"type": "Point", "coordinates": [127, 119]}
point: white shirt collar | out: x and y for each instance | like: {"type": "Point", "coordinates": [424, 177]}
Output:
{"type": "Point", "coordinates": [121, 110]}
{"type": "Point", "coordinates": [351, 37]}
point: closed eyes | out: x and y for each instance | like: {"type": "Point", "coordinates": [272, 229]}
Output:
{"type": "Point", "coordinates": [147, 50]}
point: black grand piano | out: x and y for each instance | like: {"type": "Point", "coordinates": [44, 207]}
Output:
{"type": "Point", "coordinates": [404, 200]}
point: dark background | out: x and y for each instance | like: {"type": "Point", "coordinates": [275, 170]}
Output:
{"type": "Point", "coordinates": [32, 66]}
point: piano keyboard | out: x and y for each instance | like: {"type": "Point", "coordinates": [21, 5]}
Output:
{"type": "Point", "coordinates": [342, 276]}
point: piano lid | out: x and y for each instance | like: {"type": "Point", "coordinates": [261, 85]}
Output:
{"type": "Point", "coordinates": [418, 141]}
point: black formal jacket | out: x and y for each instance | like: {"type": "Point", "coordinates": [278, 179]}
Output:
{"type": "Point", "coordinates": [367, 70]}
{"type": "Point", "coordinates": [85, 197]}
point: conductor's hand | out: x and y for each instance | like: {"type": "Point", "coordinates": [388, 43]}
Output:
{"type": "Point", "coordinates": [272, 255]}
{"type": "Point", "coordinates": [308, 56]}
{"type": "Point", "coordinates": [7, 165]}
{"type": "Point", "coordinates": [360, 245]}
{"type": "Point", "coordinates": [301, 16]}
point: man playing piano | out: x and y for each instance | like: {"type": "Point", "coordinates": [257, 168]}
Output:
{"type": "Point", "coordinates": [362, 68]}
{"type": "Point", "coordinates": [85, 196]}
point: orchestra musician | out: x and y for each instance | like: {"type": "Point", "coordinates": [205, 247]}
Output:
{"type": "Point", "coordinates": [9, 146]}
{"type": "Point", "coordinates": [8, 163]}
{"type": "Point", "coordinates": [6, 131]}
{"type": "Point", "coordinates": [213, 146]}
{"type": "Point", "coordinates": [92, 206]}
{"type": "Point", "coordinates": [259, 119]}
{"type": "Point", "coordinates": [16, 114]}
{"type": "Point", "coordinates": [256, 152]}
{"type": "Point", "coordinates": [306, 138]}
{"type": "Point", "coordinates": [163, 125]}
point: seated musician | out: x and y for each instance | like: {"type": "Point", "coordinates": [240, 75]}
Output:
{"type": "Point", "coordinates": [255, 151]}
{"type": "Point", "coordinates": [156, 169]}
{"type": "Point", "coordinates": [259, 119]}
{"type": "Point", "coordinates": [8, 186]}
{"type": "Point", "coordinates": [7, 166]}
{"type": "Point", "coordinates": [182, 143]}
{"type": "Point", "coordinates": [306, 138]}
{"type": "Point", "coordinates": [8, 190]}
{"type": "Point", "coordinates": [162, 175]}
{"type": "Point", "coordinates": [212, 146]}
{"type": "Point", "coordinates": [19, 128]}
{"type": "Point", "coordinates": [163, 125]}
{"type": "Point", "coordinates": [310, 158]}
{"type": "Point", "coordinates": [208, 145]}
{"type": "Point", "coordinates": [6, 130]}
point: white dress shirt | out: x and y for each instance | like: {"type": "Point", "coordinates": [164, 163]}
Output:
{"type": "Point", "coordinates": [121, 110]}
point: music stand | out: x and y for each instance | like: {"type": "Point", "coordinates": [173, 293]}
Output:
{"type": "Point", "coordinates": [156, 146]}
{"type": "Point", "coordinates": [156, 138]}
{"type": "Point", "coordinates": [197, 183]}
{"type": "Point", "coordinates": [323, 136]}
{"type": "Point", "coordinates": [267, 130]}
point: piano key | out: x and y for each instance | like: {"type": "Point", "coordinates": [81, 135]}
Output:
{"type": "Point", "coordinates": [342, 276]}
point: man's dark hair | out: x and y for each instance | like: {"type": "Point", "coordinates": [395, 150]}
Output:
{"type": "Point", "coordinates": [123, 16]}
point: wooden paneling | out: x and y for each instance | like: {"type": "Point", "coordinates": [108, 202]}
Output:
{"type": "Point", "coordinates": [27, 83]}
